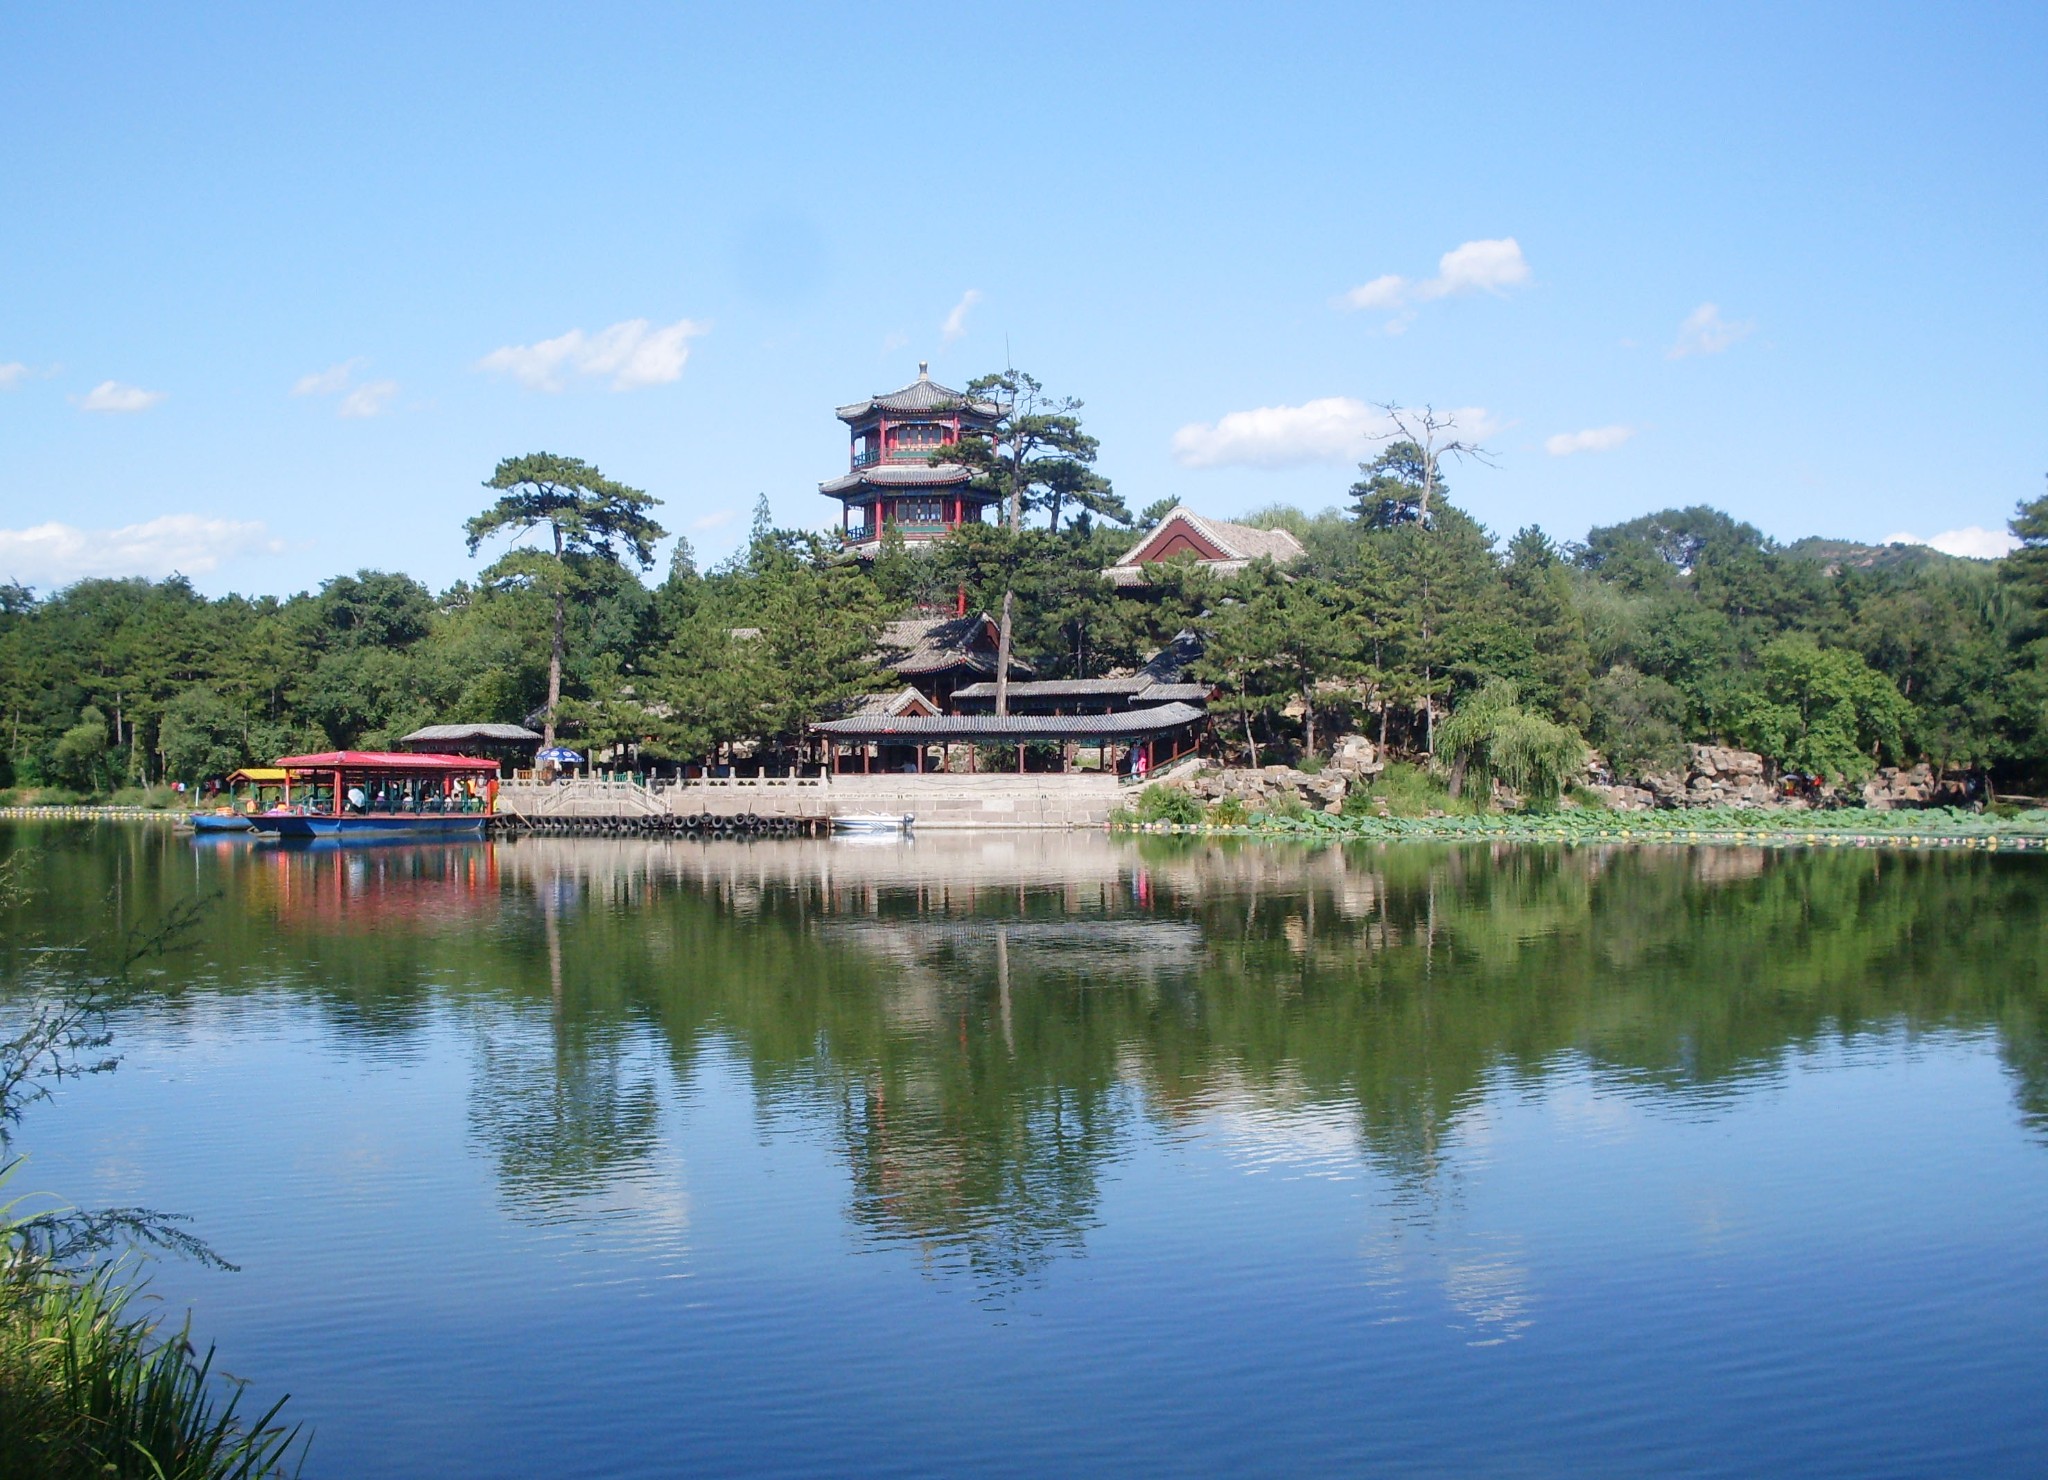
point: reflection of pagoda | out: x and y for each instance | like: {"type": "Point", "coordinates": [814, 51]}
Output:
{"type": "Point", "coordinates": [892, 483]}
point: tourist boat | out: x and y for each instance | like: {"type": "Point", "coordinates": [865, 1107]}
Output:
{"type": "Point", "coordinates": [871, 824]}
{"type": "Point", "coordinates": [349, 794]}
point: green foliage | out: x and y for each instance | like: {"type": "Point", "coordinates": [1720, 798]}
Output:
{"type": "Point", "coordinates": [1035, 456]}
{"type": "Point", "coordinates": [1389, 490]}
{"type": "Point", "coordinates": [1285, 806]}
{"type": "Point", "coordinates": [1636, 722]}
{"type": "Point", "coordinates": [80, 755]}
{"type": "Point", "coordinates": [89, 1387]}
{"type": "Point", "coordinates": [1823, 711]}
{"type": "Point", "coordinates": [1491, 737]}
{"type": "Point", "coordinates": [594, 526]}
{"type": "Point", "coordinates": [1406, 790]}
{"type": "Point", "coordinates": [1160, 803]}
{"type": "Point", "coordinates": [1229, 812]}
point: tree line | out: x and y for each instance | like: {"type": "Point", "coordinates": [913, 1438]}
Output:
{"type": "Point", "coordinates": [1683, 625]}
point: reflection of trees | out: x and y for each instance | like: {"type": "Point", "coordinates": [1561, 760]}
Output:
{"type": "Point", "coordinates": [562, 1113]}
{"type": "Point", "coordinates": [977, 1030]}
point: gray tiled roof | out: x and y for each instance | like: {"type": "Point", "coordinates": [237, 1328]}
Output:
{"type": "Point", "coordinates": [934, 644]}
{"type": "Point", "coordinates": [1059, 688]}
{"type": "Point", "coordinates": [922, 394]}
{"type": "Point", "coordinates": [454, 734]}
{"type": "Point", "coordinates": [904, 701]}
{"type": "Point", "coordinates": [1173, 693]}
{"type": "Point", "coordinates": [1014, 729]}
{"type": "Point", "coordinates": [896, 475]}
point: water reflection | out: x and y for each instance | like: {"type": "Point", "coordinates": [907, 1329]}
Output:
{"type": "Point", "coordinates": [981, 1026]}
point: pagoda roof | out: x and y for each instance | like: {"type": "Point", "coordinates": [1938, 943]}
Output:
{"type": "Point", "coordinates": [918, 645]}
{"type": "Point", "coordinates": [897, 475]}
{"type": "Point", "coordinates": [922, 394]}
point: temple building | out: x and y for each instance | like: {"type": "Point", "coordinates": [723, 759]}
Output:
{"type": "Point", "coordinates": [891, 482]}
{"type": "Point", "coordinates": [938, 656]}
{"type": "Point", "coordinates": [1217, 544]}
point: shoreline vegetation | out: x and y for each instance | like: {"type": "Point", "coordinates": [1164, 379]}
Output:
{"type": "Point", "coordinates": [1935, 827]}
{"type": "Point", "coordinates": [1483, 657]}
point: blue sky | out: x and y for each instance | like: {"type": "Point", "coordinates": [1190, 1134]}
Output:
{"type": "Point", "coordinates": [278, 289]}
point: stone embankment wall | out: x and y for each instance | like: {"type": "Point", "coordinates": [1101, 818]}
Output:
{"type": "Point", "coordinates": [983, 801]}
{"type": "Point", "coordinates": [1717, 776]}
{"type": "Point", "coordinates": [987, 800]}
{"type": "Point", "coordinates": [1714, 776]}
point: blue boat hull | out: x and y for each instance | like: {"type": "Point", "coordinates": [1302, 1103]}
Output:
{"type": "Point", "coordinates": [427, 826]}
{"type": "Point", "coordinates": [219, 822]}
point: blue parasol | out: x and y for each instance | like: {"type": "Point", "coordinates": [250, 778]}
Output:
{"type": "Point", "coordinates": [560, 755]}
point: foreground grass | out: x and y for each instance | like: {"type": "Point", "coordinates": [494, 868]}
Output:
{"type": "Point", "coordinates": [90, 1388]}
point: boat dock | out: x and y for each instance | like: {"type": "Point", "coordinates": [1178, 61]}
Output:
{"type": "Point", "coordinates": [789, 805]}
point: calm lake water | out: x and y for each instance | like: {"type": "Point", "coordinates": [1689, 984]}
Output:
{"type": "Point", "coordinates": [1033, 1155]}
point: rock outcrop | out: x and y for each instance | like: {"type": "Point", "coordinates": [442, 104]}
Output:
{"type": "Point", "coordinates": [1269, 787]}
{"type": "Point", "coordinates": [1714, 776]}
{"type": "Point", "coordinates": [1893, 787]}
{"type": "Point", "coordinates": [1354, 761]}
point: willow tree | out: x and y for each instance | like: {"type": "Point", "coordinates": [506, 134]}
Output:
{"type": "Point", "coordinates": [588, 518]}
{"type": "Point", "coordinates": [1492, 738]}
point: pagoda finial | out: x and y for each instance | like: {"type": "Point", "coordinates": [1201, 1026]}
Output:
{"type": "Point", "coordinates": [924, 369]}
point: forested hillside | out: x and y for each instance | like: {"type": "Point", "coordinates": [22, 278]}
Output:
{"type": "Point", "coordinates": [1681, 625]}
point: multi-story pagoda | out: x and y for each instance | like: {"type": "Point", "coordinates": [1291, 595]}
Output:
{"type": "Point", "coordinates": [893, 483]}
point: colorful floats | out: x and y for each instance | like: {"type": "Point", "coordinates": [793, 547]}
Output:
{"type": "Point", "coordinates": [377, 794]}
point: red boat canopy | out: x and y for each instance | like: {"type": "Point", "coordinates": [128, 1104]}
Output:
{"type": "Point", "coordinates": [382, 760]}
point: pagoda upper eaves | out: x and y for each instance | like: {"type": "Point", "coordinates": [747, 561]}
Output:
{"type": "Point", "coordinates": [923, 397]}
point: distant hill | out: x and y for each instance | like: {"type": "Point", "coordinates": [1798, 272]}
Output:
{"type": "Point", "coordinates": [1847, 554]}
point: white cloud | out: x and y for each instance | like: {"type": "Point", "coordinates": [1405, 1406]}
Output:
{"type": "Point", "coordinates": [1593, 439]}
{"type": "Point", "coordinates": [111, 395]}
{"type": "Point", "coordinates": [1332, 429]}
{"type": "Point", "coordinates": [329, 382]}
{"type": "Point", "coordinates": [716, 520]}
{"type": "Point", "coordinates": [358, 399]}
{"type": "Point", "coordinates": [1488, 266]}
{"type": "Point", "coordinates": [367, 399]}
{"type": "Point", "coordinates": [1705, 332]}
{"type": "Point", "coordinates": [12, 374]}
{"type": "Point", "coordinates": [56, 554]}
{"type": "Point", "coordinates": [634, 353]}
{"type": "Point", "coordinates": [956, 322]}
{"type": "Point", "coordinates": [1389, 292]}
{"type": "Point", "coordinates": [1478, 267]}
{"type": "Point", "coordinates": [1971, 540]}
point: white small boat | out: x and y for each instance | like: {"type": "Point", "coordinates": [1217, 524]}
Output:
{"type": "Point", "coordinates": [871, 824]}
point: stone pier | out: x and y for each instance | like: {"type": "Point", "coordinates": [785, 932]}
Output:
{"type": "Point", "coordinates": [988, 800]}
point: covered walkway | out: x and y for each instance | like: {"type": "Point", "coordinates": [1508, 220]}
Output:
{"type": "Point", "coordinates": [1139, 739]}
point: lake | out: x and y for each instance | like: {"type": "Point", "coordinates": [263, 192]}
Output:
{"type": "Point", "coordinates": [1063, 1154]}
